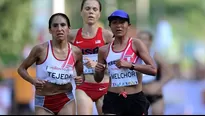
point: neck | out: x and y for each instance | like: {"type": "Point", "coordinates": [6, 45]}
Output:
{"type": "Point", "coordinates": [59, 44]}
{"type": "Point", "coordinates": [121, 40]}
{"type": "Point", "coordinates": [89, 29]}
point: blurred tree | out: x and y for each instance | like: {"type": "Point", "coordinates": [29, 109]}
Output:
{"type": "Point", "coordinates": [186, 16]}
{"type": "Point", "coordinates": [15, 27]}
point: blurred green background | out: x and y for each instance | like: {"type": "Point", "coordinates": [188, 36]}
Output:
{"type": "Point", "coordinates": [178, 27]}
{"type": "Point", "coordinates": [185, 16]}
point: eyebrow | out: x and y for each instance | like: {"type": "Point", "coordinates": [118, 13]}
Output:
{"type": "Point", "coordinates": [58, 23]}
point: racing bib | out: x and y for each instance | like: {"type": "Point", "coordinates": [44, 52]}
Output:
{"type": "Point", "coordinates": [59, 75]}
{"type": "Point", "coordinates": [86, 69]}
{"type": "Point", "coordinates": [123, 77]}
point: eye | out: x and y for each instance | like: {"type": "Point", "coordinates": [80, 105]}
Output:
{"type": "Point", "coordinates": [55, 25]}
{"type": "Point", "coordinates": [63, 24]}
{"type": "Point", "coordinates": [114, 22]}
{"type": "Point", "coordinates": [122, 21]}
{"type": "Point", "coordinates": [95, 9]}
{"type": "Point", "coordinates": [87, 8]}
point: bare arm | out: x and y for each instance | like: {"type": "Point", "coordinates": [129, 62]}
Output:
{"type": "Point", "coordinates": [107, 36]}
{"type": "Point", "coordinates": [78, 66]}
{"type": "Point", "coordinates": [31, 59]}
{"type": "Point", "coordinates": [166, 71]}
{"type": "Point", "coordinates": [78, 61]}
{"type": "Point", "coordinates": [143, 53]}
{"type": "Point", "coordinates": [100, 67]}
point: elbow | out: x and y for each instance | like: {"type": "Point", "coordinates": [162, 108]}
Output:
{"type": "Point", "coordinates": [19, 70]}
{"type": "Point", "coordinates": [97, 79]}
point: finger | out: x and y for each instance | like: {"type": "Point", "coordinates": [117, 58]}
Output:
{"type": "Point", "coordinates": [117, 65]}
{"type": "Point", "coordinates": [42, 81]}
{"type": "Point", "coordinates": [88, 64]}
{"type": "Point", "coordinates": [39, 87]}
{"type": "Point", "coordinates": [101, 65]}
{"type": "Point", "coordinates": [117, 60]}
{"type": "Point", "coordinates": [79, 81]}
{"type": "Point", "coordinates": [88, 59]}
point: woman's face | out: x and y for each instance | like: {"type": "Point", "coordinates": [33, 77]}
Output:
{"type": "Point", "coordinates": [90, 12]}
{"type": "Point", "coordinates": [59, 28]}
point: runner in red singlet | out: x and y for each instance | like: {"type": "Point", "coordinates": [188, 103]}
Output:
{"type": "Point", "coordinates": [55, 62]}
{"type": "Point", "coordinates": [89, 38]}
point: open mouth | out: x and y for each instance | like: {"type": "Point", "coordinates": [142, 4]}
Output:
{"type": "Point", "coordinates": [90, 17]}
{"type": "Point", "coordinates": [60, 34]}
{"type": "Point", "coordinates": [118, 30]}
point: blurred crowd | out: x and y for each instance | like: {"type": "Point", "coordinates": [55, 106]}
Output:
{"type": "Point", "coordinates": [184, 94]}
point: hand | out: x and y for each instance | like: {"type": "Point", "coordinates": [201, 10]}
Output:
{"type": "Point", "coordinates": [78, 80]}
{"type": "Point", "coordinates": [152, 88]}
{"type": "Point", "coordinates": [39, 84]}
{"type": "Point", "coordinates": [90, 63]}
{"type": "Point", "coordinates": [123, 64]}
{"type": "Point", "coordinates": [99, 67]}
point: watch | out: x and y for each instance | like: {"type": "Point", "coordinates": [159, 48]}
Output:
{"type": "Point", "coordinates": [132, 67]}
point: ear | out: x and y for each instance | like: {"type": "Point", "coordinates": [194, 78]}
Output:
{"type": "Point", "coordinates": [50, 31]}
{"type": "Point", "coordinates": [81, 14]}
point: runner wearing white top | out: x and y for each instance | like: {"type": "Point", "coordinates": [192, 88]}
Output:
{"type": "Point", "coordinates": [125, 94]}
{"type": "Point", "coordinates": [55, 60]}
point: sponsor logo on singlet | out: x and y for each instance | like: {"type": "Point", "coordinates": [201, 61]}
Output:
{"type": "Point", "coordinates": [60, 73]}
{"type": "Point", "coordinates": [90, 51]}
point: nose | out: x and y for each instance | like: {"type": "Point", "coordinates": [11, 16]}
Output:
{"type": "Point", "coordinates": [59, 28]}
{"type": "Point", "coordinates": [118, 25]}
{"type": "Point", "coordinates": [91, 11]}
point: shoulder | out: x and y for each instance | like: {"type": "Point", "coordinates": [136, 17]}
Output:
{"type": "Point", "coordinates": [41, 47]}
{"type": "Point", "coordinates": [37, 50]}
{"type": "Point", "coordinates": [104, 48]}
{"type": "Point", "coordinates": [136, 41]}
{"type": "Point", "coordinates": [107, 35]}
{"type": "Point", "coordinates": [138, 45]}
{"type": "Point", "coordinates": [72, 34]}
{"type": "Point", "coordinates": [76, 50]}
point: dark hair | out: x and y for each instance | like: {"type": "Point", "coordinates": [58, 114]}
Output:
{"type": "Point", "coordinates": [58, 14]}
{"type": "Point", "coordinates": [148, 33]}
{"type": "Point", "coordinates": [83, 2]}
{"type": "Point", "coordinates": [114, 18]}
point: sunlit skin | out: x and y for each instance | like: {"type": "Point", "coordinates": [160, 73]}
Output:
{"type": "Point", "coordinates": [90, 12]}
{"type": "Point", "coordinates": [119, 27]}
{"type": "Point", "coordinates": [59, 29]}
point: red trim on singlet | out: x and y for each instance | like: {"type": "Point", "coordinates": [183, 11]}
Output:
{"type": "Point", "coordinates": [54, 54]}
{"type": "Point", "coordinates": [121, 50]}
